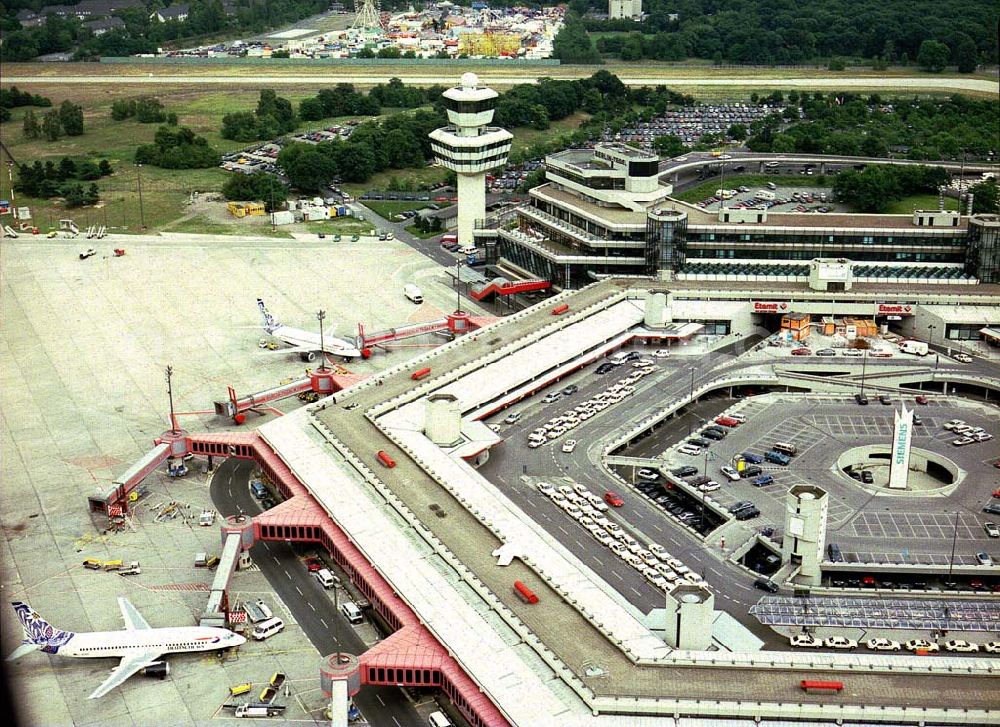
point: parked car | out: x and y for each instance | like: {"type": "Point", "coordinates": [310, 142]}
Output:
{"type": "Point", "coordinates": [984, 559]}
{"type": "Point", "coordinates": [861, 399]}
{"type": "Point", "coordinates": [961, 646]}
{"type": "Point", "coordinates": [840, 642]}
{"type": "Point", "coordinates": [801, 352]}
{"type": "Point", "coordinates": [604, 368]}
{"type": "Point", "coordinates": [647, 474]}
{"type": "Point", "coordinates": [992, 530]}
{"type": "Point", "coordinates": [806, 640]}
{"type": "Point", "coordinates": [685, 471]}
{"type": "Point", "coordinates": [880, 644]}
{"type": "Point", "coordinates": [730, 472]}
{"type": "Point", "coordinates": [920, 645]}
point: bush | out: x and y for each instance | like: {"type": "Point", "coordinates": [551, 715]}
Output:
{"type": "Point", "coordinates": [177, 148]}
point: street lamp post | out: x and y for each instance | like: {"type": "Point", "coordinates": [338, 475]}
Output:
{"type": "Point", "coordinates": [864, 366]}
{"type": "Point", "coordinates": [458, 286]}
{"type": "Point", "coordinates": [320, 316]}
{"type": "Point", "coordinates": [691, 397]}
{"type": "Point", "coordinates": [170, 398]}
{"type": "Point", "coordinates": [954, 538]}
{"type": "Point", "coordinates": [138, 178]}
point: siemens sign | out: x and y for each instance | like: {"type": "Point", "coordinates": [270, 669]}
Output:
{"type": "Point", "coordinates": [902, 443]}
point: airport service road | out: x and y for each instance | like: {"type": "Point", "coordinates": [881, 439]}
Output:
{"type": "Point", "coordinates": [644, 520]}
{"type": "Point", "coordinates": [310, 605]}
{"type": "Point", "coordinates": [496, 78]}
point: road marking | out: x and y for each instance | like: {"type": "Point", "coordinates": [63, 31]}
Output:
{"type": "Point", "coordinates": [276, 559]}
{"type": "Point", "coordinates": [379, 698]}
{"type": "Point", "coordinates": [268, 547]}
{"type": "Point", "coordinates": [564, 530]}
{"type": "Point", "coordinates": [311, 606]}
{"type": "Point", "coordinates": [636, 592]}
{"type": "Point", "coordinates": [300, 592]}
{"type": "Point", "coordinates": [615, 574]}
{"type": "Point", "coordinates": [325, 624]}
{"type": "Point", "coordinates": [288, 576]}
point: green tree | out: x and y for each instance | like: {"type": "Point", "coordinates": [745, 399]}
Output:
{"type": "Point", "coordinates": [985, 197]}
{"type": "Point", "coordinates": [356, 162]}
{"type": "Point", "coordinates": [32, 130]}
{"type": "Point", "coordinates": [71, 118]}
{"type": "Point", "coordinates": [933, 56]}
{"type": "Point", "coordinates": [669, 145]}
{"type": "Point", "coordinates": [737, 132]}
{"type": "Point", "coordinates": [966, 55]}
{"type": "Point", "coordinates": [311, 170]}
{"type": "Point", "coordinates": [403, 149]}
{"type": "Point", "coordinates": [51, 126]}
{"type": "Point", "coordinates": [572, 44]}
{"type": "Point", "coordinates": [105, 167]}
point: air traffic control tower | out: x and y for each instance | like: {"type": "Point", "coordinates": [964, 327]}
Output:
{"type": "Point", "coordinates": [470, 147]}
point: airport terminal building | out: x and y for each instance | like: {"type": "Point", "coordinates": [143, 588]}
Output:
{"type": "Point", "coordinates": [608, 211]}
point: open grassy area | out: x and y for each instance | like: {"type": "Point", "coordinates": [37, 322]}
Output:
{"type": "Point", "coordinates": [907, 205]}
{"type": "Point", "coordinates": [390, 208]}
{"type": "Point", "coordinates": [707, 189]}
{"type": "Point", "coordinates": [341, 226]}
{"type": "Point", "coordinates": [409, 179]}
{"type": "Point", "coordinates": [412, 229]}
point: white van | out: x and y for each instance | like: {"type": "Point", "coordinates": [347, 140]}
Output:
{"type": "Point", "coordinates": [439, 719]}
{"type": "Point", "coordinates": [413, 293]}
{"type": "Point", "coordinates": [467, 250]}
{"type": "Point", "coordinates": [351, 612]}
{"type": "Point", "coordinates": [618, 359]}
{"type": "Point", "coordinates": [266, 629]}
{"type": "Point", "coordinates": [325, 578]}
{"type": "Point", "coordinates": [764, 195]}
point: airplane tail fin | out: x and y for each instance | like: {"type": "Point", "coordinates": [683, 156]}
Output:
{"type": "Point", "coordinates": [270, 323]}
{"type": "Point", "coordinates": [39, 634]}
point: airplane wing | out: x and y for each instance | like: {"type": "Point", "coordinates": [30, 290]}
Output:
{"type": "Point", "coordinates": [129, 665]}
{"type": "Point", "coordinates": [133, 619]}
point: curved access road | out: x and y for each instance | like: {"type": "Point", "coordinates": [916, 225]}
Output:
{"type": "Point", "coordinates": [500, 78]}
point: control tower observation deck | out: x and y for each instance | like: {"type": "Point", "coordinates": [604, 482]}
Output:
{"type": "Point", "coordinates": [470, 147]}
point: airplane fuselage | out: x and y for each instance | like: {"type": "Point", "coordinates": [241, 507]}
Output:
{"type": "Point", "coordinates": [106, 644]}
{"type": "Point", "coordinates": [303, 339]}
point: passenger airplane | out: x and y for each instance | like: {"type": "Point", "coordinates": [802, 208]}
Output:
{"type": "Point", "coordinates": [306, 343]}
{"type": "Point", "coordinates": [138, 646]}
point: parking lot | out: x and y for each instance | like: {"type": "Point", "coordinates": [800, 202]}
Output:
{"type": "Point", "coordinates": [805, 198]}
{"type": "Point", "coordinates": [870, 526]}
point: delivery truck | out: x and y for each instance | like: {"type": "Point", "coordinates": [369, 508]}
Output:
{"type": "Point", "coordinates": [917, 348]}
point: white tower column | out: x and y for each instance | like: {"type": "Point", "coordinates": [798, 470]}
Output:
{"type": "Point", "coordinates": [902, 435]}
{"type": "Point", "coordinates": [470, 147]}
{"type": "Point", "coordinates": [471, 204]}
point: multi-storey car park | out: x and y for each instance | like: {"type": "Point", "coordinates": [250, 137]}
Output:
{"type": "Point", "coordinates": [493, 592]}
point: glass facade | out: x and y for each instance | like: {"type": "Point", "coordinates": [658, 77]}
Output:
{"type": "Point", "coordinates": [469, 107]}
{"type": "Point", "coordinates": [983, 252]}
{"type": "Point", "coordinates": [644, 169]}
{"type": "Point", "coordinates": [666, 237]}
{"type": "Point", "coordinates": [591, 182]}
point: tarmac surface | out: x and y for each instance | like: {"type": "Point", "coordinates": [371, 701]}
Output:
{"type": "Point", "coordinates": [83, 349]}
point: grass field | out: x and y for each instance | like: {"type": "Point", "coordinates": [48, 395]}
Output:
{"type": "Point", "coordinates": [423, 235]}
{"type": "Point", "coordinates": [907, 205]}
{"type": "Point", "coordinates": [410, 179]}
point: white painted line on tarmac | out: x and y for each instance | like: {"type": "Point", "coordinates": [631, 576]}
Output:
{"type": "Point", "coordinates": [266, 546]}
{"type": "Point", "coordinates": [311, 606]}
{"type": "Point", "coordinates": [299, 590]}
{"type": "Point", "coordinates": [288, 576]}
{"type": "Point", "coordinates": [616, 575]}
{"type": "Point", "coordinates": [379, 698]}
{"type": "Point", "coordinates": [325, 624]}
{"type": "Point", "coordinates": [276, 559]}
{"type": "Point", "coordinates": [564, 530]}
{"type": "Point", "coordinates": [635, 592]}
{"type": "Point", "coordinates": [397, 722]}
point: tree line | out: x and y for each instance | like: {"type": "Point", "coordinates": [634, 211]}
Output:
{"type": "Point", "coordinates": [143, 34]}
{"type": "Point", "coordinates": [12, 98]}
{"type": "Point", "coordinates": [874, 187]}
{"type": "Point", "coordinates": [145, 110]}
{"type": "Point", "coordinates": [853, 125]}
{"type": "Point", "coordinates": [67, 119]}
{"type": "Point", "coordinates": [178, 148]}
{"type": "Point", "coordinates": [49, 179]}
{"type": "Point", "coordinates": [768, 32]}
